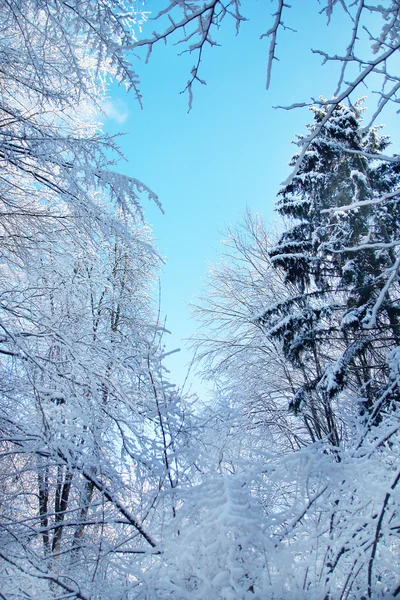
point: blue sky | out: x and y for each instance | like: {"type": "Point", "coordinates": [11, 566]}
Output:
{"type": "Point", "coordinates": [231, 151]}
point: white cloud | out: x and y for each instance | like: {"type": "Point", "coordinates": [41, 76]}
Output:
{"type": "Point", "coordinates": [116, 110]}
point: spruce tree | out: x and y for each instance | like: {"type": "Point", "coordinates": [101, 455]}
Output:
{"type": "Point", "coordinates": [341, 250]}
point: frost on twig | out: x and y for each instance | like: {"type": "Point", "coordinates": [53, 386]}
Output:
{"type": "Point", "coordinates": [193, 28]}
{"type": "Point", "coordinates": [273, 34]}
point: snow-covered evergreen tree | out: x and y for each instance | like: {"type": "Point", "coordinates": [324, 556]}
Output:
{"type": "Point", "coordinates": [341, 251]}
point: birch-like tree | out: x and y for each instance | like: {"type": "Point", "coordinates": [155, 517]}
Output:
{"type": "Point", "coordinates": [90, 428]}
{"type": "Point", "coordinates": [232, 346]}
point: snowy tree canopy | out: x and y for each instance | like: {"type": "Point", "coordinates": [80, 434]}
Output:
{"type": "Point", "coordinates": [114, 487]}
{"type": "Point", "coordinates": [88, 421]}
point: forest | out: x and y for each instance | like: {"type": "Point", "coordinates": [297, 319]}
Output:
{"type": "Point", "coordinates": [116, 485]}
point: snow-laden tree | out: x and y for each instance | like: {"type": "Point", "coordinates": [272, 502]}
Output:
{"type": "Point", "coordinates": [234, 348]}
{"type": "Point", "coordinates": [89, 424]}
{"type": "Point", "coordinates": [299, 525]}
{"type": "Point", "coordinates": [55, 60]}
{"type": "Point", "coordinates": [329, 508]}
{"type": "Point", "coordinates": [219, 550]}
{"type": "Point", "coordinates": [345, 262]}
{"type": "Point", "coordinates": [91, 431]}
